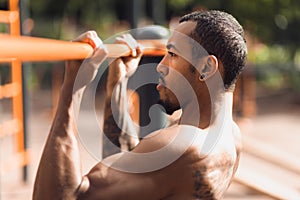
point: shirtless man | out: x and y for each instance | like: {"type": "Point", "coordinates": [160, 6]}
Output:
{"type": "Point", "coordinates": [195, 159]}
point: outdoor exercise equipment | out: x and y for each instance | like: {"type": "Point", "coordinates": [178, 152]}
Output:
{"type": "Point", "coordinates": [14, 127]}
{"type": "Point", "coordinates": [41, 49]}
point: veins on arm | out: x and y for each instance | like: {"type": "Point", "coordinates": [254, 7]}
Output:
{"type": "Point", "coordinates": [110, 127]}
{"type": "Point", "coordinates": [118, 126]}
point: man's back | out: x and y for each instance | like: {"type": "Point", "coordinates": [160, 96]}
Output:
{"type": "Point", "coordinates": [191, 171]}
{"type": "Point", "coordinates": [204, 175]}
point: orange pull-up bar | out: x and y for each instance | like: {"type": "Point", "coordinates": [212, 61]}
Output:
{"type": "Point", "coordinates": [40, 49]}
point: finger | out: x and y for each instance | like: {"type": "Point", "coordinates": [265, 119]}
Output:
{"type": "Point", "coordinates": [139, 51]}
{"type": "Point", "coordinates": [98, 42]}
{"type": "Point", "coordinates": [128, 40]}
{"type": "Point", "coordinates": [85, 36]}
{"type": "Point", "coordinates": [122, 40]}
{"type": "Point", "coordinates": [90, 37]}
{"type": "Point", "coordinates": [133, 44]}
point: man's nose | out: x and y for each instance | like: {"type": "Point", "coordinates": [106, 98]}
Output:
{"type": "Point", "coordinates": [162, 67]}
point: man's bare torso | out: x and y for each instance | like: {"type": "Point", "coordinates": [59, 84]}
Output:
{"type": "Point", "coordinates": [206, 177]}
{"type": "Point", "coordinates": [194, 173]}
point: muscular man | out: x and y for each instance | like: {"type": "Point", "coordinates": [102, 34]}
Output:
{"type": "Point", "coordinates": [195, 159]}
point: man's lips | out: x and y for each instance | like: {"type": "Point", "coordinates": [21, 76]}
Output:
{"type": "Point", "coordinates": [159, 86]}
{"type": "Point", "coordinates": [161, 83]}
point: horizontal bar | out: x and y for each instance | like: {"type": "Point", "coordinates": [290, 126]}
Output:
{"type": "Point", "coordinates": [8, 128]}
{"type": "Point", "coordinates": [17, 160]}
{"type": "Point", "coordinates": [9, 90]}
{"type": "Point", "coordinates": [8, 16]}
{"type": "Point", "coordinates": [41, 49]}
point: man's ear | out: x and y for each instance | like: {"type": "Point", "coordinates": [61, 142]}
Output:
{"type": "Point", "coordinates": [208, 67]}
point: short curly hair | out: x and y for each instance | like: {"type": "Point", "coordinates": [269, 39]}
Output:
{"type": "Point", "coordinates": [220, 34]}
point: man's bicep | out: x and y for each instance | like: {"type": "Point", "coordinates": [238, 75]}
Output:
{"type": "Point", "coordinates": [108, 183]}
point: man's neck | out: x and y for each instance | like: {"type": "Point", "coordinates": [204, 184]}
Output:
{"type": "Point", "coordinates": [205, 113]}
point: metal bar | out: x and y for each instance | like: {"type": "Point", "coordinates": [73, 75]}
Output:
{"type": "Point", "coordinates": [23, 14]}
{"type": "Point", "coordinates": [9, 90]}
{"type": "Point", "coordinates": [19, 159]}
{"type": "Point", "coordinates": [17, 77]}
{"type": "Point", "coordinates": [9, 128]}
{"type": "Point", "coordinates": [13, 5]}
{"type": "Point", "coordinates": [8, 16]}
{"type": "Point", "coordinates": [17, 102]}
{"type": "Point", "coordinates": [40, 49]}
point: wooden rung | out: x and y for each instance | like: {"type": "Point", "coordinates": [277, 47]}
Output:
{"type": "Point", "coordinates": [9, 128]}
{"type": "Point", "coordinates": [9, 90]}
{"type": "Point", "coordinates": [264, 185]}
{"type": "Point", "coordinates": [18, 160]}
{"type": "Point", "coordinates": [8, 16]}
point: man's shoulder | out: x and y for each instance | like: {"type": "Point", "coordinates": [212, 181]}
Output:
{"type": "Point", "coordinates": [172, 135]}
{"type": "Point", "coordinates": [174, 130]}
{"type": "Point", "coordinates": [175, 141]}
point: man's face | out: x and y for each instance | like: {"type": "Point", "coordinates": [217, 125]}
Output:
{"type": "Point", "coordinates": [176, 69]}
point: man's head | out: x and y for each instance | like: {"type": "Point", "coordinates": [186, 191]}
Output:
{"type": "Point", "coordinates": [220, 34]}
{"type": "Point", "coordinates": [202, 46]}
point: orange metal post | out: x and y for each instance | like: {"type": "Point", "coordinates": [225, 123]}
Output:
{"type": "Point", "coordinates": [15, 24]}
{"type": "Point", "coordinates": [16, 70]}
{"type": "Point", "coordinates": [18, 104]}
{"type": "Point", "coordinates": [15, 126]}
{"type": "Point", "coordinates": [14, 5]}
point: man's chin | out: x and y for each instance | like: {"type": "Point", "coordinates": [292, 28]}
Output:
{"type": "Point", "coordinates": [168, 107]}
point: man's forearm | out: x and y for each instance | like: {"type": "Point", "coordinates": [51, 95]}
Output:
{"type": "Point", "coordinates": [59, 173]}
{"type": "Point", "coordinates": [110, 127]}
{"type": "Point", "coordinates": [117, 122]}
{"type": "Point", "coordinates": [114, 112]}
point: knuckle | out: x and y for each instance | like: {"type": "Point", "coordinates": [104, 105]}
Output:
{"type": "Point", "coordinates": [90, 33]}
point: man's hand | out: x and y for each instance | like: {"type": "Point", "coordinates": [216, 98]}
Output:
{"type": "Point", "coordinates": [84, 71]}
{"type": "Point", "coordinates": [125, 66]}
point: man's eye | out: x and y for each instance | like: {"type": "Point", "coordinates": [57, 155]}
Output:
{"type": "Point", "coordinates": [171, 54]}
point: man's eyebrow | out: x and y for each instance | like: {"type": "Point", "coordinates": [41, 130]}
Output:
{"type": "Point", "coordinates": [170, 46]}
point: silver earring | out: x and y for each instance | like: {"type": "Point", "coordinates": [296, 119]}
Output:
{"type": "Point", "coordinates": [202, 76]}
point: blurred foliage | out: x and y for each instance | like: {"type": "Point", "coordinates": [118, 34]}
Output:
{"type": "Point", "coordinates": [272, 25]}
{"type": "Point", "coordinates": [272, 21]}
{"type": "Point", "coordinates": [64, 19]}
{"type": "Point", "coordinates": [273, 28]}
